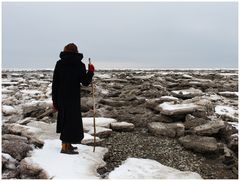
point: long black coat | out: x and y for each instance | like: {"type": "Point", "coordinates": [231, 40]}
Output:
{"type": "Point", "coordinates": [69, 72]}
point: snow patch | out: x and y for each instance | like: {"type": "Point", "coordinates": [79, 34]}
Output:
{"type": "Point", "coordinates": [103, 76]}
{"type": "Point", "coordinates": [100, 121]}
{"type": "Point", "coordinates": [134, 168]}
{"type": "Point", "coordinates": [169, 108]}
{"type": "Point", "coordinates": [31, 92]}
{"type": "Point", "coordinates": [8, 110]}
{"type": "Point", "coordinates": [63, 166]}
{"type": "Point", "coordinates": [234, 124]}
{"type": "Point", "coordinates": [89, 139]}
{"type": "Point", "coordinates": [187, 76]}
{"type": "Point", "coordinates": [229, 94]}
{"type": "Point", "coordinates": [227, 112]}
{"type": "Point", "coordinates": [168, 98]}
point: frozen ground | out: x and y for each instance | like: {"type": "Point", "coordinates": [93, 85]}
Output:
{"type": "Point", "coordinates": [197, 100]}
{"type": "Point", "coordinates": [63, 166]}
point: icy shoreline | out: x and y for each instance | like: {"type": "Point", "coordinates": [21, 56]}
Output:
{"type": "Point", "coordinates": [125, 69]}
{"type": "Point", "coordinates": [177, 138]}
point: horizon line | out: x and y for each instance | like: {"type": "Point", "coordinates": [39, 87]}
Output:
{"type": "Point", "coordinates": [51, 69]}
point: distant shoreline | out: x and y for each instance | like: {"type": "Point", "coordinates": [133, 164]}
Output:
{"type": "Point", "coordinates": [123, 69]}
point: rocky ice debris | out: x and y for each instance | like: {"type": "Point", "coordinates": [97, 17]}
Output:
{"type": "Point", "coordinates": [8, 162]}
{"type": "Point", "coordinates": [37, 109]}
{"type": "Point", "coordinates": [31, 170]}
{"type": "Point", "coordinates": [114, 103]}
{"type": "Point", "coordinates": [31, 93]}
{"type": "Point", "coordinates": [8, 110]}
{"type": "Point", "coordinates": [19, 130]}
{"type": "Point", "coordinates": [229, 94]}
{"type": "Point", "coordinates": [125, 95]}
{"type": "Point", "coordinates": [25, 131]}
{"type": "Point", "coordinates": [86, 104]}
{"type": "Point", "coordinates": [162, 118]}
{"type": "Point", "coordinates": [169, 108]}
{"type": "Point", "coordinates": [6, 83]}
{"type": "Point", "coordinates": [227, 113]}
{"type": "Point", "coordinates": [122, 126]}
{"type": "Point", "coordinates": [166, 129]}
{"type": "Point", "coordinates": [168, 99]}
{"type": "Point", "coordinates": [9, 167]}
{"type": "Point", "coordinates": [89, 139]}
{"type": "Point", "coordinates": [187, 93]}
{"type": "Point", "coordinates": [152, 104]}
{"type": "Point", "coordinates": [200, 144]}
{"type": "Point", "coordinates": [101, 132]}
{"type": "Point", "coordinates": [209, 128]}
{"type": "Point", "coordinates": [233, 142]}
{"type": "Point", "coordinates": [100, 121]}
{"type": "Point", "coordinates": [193, 121]}
{"type": "Point", "coordinates": [16, 148]}
{"type": "Point", "coordinates": [26, 120]}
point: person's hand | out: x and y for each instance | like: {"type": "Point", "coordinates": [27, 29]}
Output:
{"type": "Point", "coordinates": [54, 107]}
{"type": "Point", "coordinates": [91, 68]}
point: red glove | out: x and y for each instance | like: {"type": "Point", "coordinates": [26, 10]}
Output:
{"type": "Point", "coordinates": [91, 68]}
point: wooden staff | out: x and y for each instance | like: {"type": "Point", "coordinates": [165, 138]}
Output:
{"type": "Point", "coordinates": [94, 112]}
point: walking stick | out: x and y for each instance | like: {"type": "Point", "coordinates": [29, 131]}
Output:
{"type": "Point", "coordinates": [94, 112]}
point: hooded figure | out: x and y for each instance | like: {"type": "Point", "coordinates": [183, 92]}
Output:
{"type": "Point", "coordinates": [69, 72]}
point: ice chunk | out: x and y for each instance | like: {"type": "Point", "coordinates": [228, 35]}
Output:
{"type": "Point", "coordinates": [136, 168]}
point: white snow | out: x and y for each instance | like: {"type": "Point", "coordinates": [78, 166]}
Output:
{"type": "Point", "coordinates": [100, 121]}
{"type": "Point", "coordinates": [122, 124]}
{"type": "Point", "coordinates": [99, 130]}
{"type": "Point", "coordinates": [35, 103]}
{"type": "Point", "coordinates": [10, 161]}
{"type": "Point", "coordinates": [8, 83]}
{"type": "Point", "coordinates": [104, 91]}
{"type": "Point", "coordinates": [48, 131]}
{"type": "Point", "coordinates": [181, 92]}
{"type": "Point", "coordinates": [228, 93]}
{"type": "Point", "coordinates": [187, 76]}
{"type": "Point", "coordinates": [144, 77]}
{"type": "Point", "coordinates": [229, 74]}
{"type": "Point", "coordinates": [203, 81]}
{"type": "Point", "coordinates": [31, 92]}
{"type": "Point", "coordinates": [188, 91]}
{"type": "Point", "coordinates": [234, 124]}
{"type": "Point", "coordinates": [215, 97]}
{"type": "Point", "coordinates": [16, 75]}
{"type": "Point", "coordinates": [89, 139]}
{"type": "Point", "coordinates": [194, 83]}
{"type": "Point", "coordinates": [26, 129]}
{"type": "Point", "coordinates": [168, 98]}
{"type": "Point", "coordinates": [169, 108]}
{"type": "Point", "coordinates": [103, 76]}
{"type": "Point", "coordinates": [8, 110]}
{"type": "Point", "coordinates": [227, 112]}
{"type": "Point", "coordinates": [136, 168]}
{"type": "Point", "coordinates": [7, 91]}
{"type": "Point", "coordinates": [64, 166]}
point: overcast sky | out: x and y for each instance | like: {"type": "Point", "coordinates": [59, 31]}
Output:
{"type": "Point", "coordinates": [121, 35]}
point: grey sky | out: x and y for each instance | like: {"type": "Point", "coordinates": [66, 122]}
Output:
{"type": "Point", "coordinates": [121, 35]}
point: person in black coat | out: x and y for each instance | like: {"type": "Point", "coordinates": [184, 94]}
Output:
{"type": "Point", "coordinates": [69, 72]}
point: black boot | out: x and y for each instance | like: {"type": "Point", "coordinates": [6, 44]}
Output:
{"type": "Point", "coordinates": [67, 150]}
{"type": "Point", "coordinates": [73, 147]}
